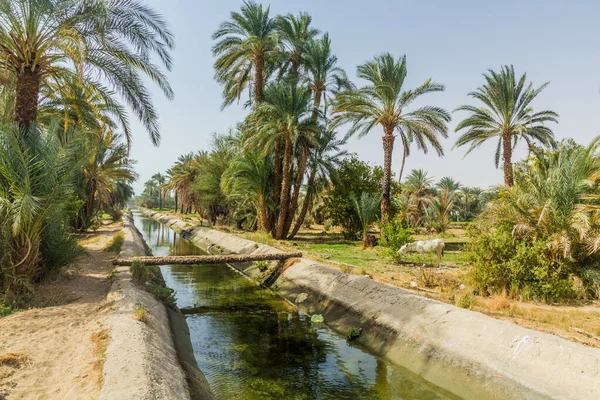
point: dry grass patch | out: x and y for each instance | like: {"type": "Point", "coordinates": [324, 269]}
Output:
{"type": "Point", "coordinates": [140, 313]}
{"type": "Point", "coordinates": [13, 360]}
{"type": "Point", "coordinates": [100, 340]}
{"type": "Point", "coordinates": [116, 242]}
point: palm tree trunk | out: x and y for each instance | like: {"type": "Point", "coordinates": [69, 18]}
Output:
{"type": "Point", "coordinates": [286, 185]}
{"type": "Point", "coordinates": [302, 167]}
{"type": "Point", "coordinates": [402, 166]}
{"type": "Point", "coordinates": [175, 201]}
{"type": "Point", "coordinates": [259, 78]}
{"type": "Point", "coordinates": [306, 204]}
{"type": "Point", "coordinates": [386, 183]}
{"type": "Point", "coordinates": [27, 96]}
{"type": "Point", "coordinates": [507, 157]}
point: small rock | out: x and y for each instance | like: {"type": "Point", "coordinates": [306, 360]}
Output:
{"type": "Point", "coordinates": [301, 297]}
{"type": "Point", "coordinates": [462, 286]}
{"type": "Point", "coordinates": [414, 284]}
{"type": "Point", "coordinates": [84, 375]}
{"type": "Point", "coordinates": [317, 318]}
{"type": "Point", "coordinates": [368, 276]}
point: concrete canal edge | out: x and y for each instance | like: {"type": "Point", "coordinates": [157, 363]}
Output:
{"type": "Point", "coordinates": [152, 359]}
{"type": "Point", "coordinates": [464, 352]}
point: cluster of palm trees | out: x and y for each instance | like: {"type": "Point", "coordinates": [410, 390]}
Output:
{"type": "Point", "coordinates": [433, 206]}
{"type": "Point", "coordinates": [69, 71]}
{"type": "Point", "coordinates": [297, 93]}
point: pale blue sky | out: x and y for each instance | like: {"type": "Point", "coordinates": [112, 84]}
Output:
{"type": "Point", "coordinates": [453, 42]}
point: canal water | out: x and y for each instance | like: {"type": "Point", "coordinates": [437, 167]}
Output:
{"type": "Point", "coordinates": [251, 344]}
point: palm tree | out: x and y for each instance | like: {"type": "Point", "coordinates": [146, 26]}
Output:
{"type": "Point", "coordinates": [114, 40]}
{"type": "Point", "coordinates": [448, 184]}
{"type": "Point", "coordinates": [295, 33]}
{"type": "Point", "coordinates": [36, 175]}
{"type": "Point", "coordinates": [506, 114]}
{"type": "Point", "coordinates": [284, 117]}
{"type": "Point", "coordinates": [323, 163]}
{"type": "Point", "coordinates": [367, 206]}
{"type": "Point", "coordinates": [245, 45]}
{"type": "Point", "coordinates": [108, 164]}
{"type": "Point", "coordinates": [161, 181]}
{"type": "Point", "coordinates": [251, 176]}
{"type": "Point", "coordinates": [384, 102]}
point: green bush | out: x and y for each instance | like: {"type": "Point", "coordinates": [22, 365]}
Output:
{"type": "Point", "coordinates": [526, 266]}
{"type": "Point", "coordinates": [353, 333]}
{"type": "Point", "coordinates": [394, 235]}
{"type": "Point", "coordinates": [327, 225]}
{"type": "Point", "coordinates": [116, 242]}
{"type": "Point", "coordinates": [308, 221]}
{"type": "Point", "coordinates": [150, 278]}
{"type": "Point", "coordinates": [262, 265]}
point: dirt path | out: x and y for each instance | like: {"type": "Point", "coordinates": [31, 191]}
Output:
{"type": "Point", "coordinates": [56, 351]}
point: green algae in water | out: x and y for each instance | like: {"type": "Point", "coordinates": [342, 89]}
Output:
{"type": "Point", "coordinates": [252, 345]}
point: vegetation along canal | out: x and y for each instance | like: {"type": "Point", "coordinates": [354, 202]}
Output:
{"type": "Point", "coordinates": [251, 344]}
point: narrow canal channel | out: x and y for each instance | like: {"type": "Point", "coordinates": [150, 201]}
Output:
{"type": "Point", "coordinates": [251, 344]}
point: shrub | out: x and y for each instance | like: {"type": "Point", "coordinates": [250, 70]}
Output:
{"type": "Point", "coordinates": [353, 333]}
{"type": "Point", "coordinates": [116, 242]}
{"type": "Point", "coordinates": [262, 265]}
{"type": "Point", "coordinates": [327, 225]}
{"type": "Point", "coordinates": [591, 281]}
{"type": "Point", "coordinates": [140, 313]}
{"type": "Point", "coordinates": [394, 235]}
{"type": "Point", "coordinates": [500, 264]}
{"type": "Point", "coordinates": [308, 220]}
{"type": "Point", "coordinates": [150, 278]}
{"type": "Point", "coordinates": [465, 299]}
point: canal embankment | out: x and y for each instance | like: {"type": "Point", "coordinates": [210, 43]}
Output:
{"type": "Point", "coordinates": [153, 358]}
{"type": "Point", "coordinates": [465, 352]}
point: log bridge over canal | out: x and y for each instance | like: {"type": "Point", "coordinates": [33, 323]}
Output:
{"type": "Point", "coordinates": [208, 259]}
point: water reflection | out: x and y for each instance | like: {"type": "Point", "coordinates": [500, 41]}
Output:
{"type": "Point", "coordinates": [251, 344]}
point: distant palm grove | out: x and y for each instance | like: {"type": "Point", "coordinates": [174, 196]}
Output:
{"type": "Point", "coordinates": [73, 72]}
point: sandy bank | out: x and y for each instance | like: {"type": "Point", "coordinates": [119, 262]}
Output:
{"type": "Point", "coordinates": [465, 352]}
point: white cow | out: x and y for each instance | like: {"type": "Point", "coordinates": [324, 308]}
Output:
{"type": "Point", "coordinates": [425, 246]}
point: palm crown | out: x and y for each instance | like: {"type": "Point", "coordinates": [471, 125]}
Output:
{"type": "Point", "coordinates": [245, 44]}
{"type": "Point", "coordinates": [383, 102]}
{"type": "Point", "coordinates": [113, 40]}
{"type": "Point", "coordinates": [506, 114]}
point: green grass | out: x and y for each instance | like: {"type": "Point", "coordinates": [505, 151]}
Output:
{"type": "Point", "coordinates": [352, 253]}
{"type": "Point", "coordinates": [116, 242]}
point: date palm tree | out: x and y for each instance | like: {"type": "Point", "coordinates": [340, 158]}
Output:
{"type": "Point", "coordinates": [507, 115]}
{"type": "Point", "coordinates": [284, 117]}
{"type": "Point", "coordinates": [161, 181]}
{"type": "Point", "coordinates": [114, 40]}
{"type": "Point", "coordinates": [295, 34]}
{"type": "Point", "coordinates": [246, 44]}
{"type": "Point", "coordinates": [384, 102]}
{"type": "Point", "coordinates": [323, 163]}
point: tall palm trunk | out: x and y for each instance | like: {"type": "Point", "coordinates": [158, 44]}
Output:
{"type": "Point", "coordinates": [302, 166]}
{"type": "Point", "coordinates": [507, 158]}
{"type": "Point", "coordinates": [402, 165]}
{"type": "Point", "coordinates": [259, 77]}
{"type": "Point", "coordinates": [175, 201]}
{"type": "Point", "coordinates": [286, 185]}
{"type": "Point", "coordinates": [306, 205]}
{"type": "Point", "coordinates": [91, 200]}
{"type": "Point", "coordinates": [263, 215]}
{"type": "Point", "coordinates": [27, 96]}
{"type": "Point", "coordinates": [386, 183]}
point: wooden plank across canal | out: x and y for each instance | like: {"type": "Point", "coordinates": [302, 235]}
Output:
{"type": "Point", "coordinates": [207, 259]}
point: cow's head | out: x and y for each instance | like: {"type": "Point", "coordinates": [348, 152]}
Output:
{"type": "Point", "coordinates": [403, 249]}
